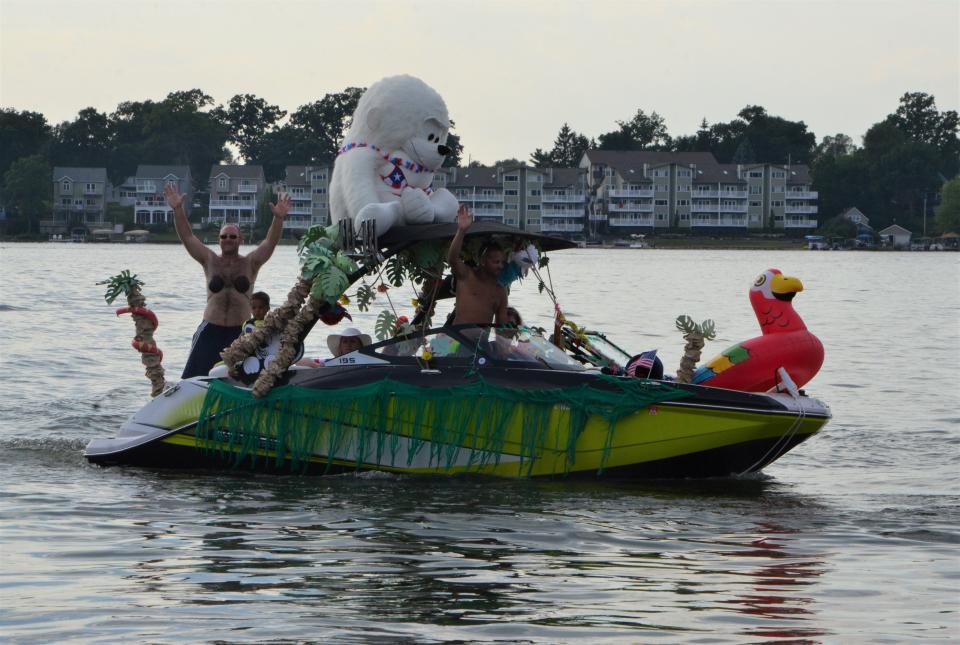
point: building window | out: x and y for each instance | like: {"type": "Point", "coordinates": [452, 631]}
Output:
{"type": "Point", "coordinates": [755, 204]}
{"type": "Point", "coordinates": [683, 173]}
{"type": "Point", "coordinates": [320, 191]}
{"type": "Point", "coordinates": [65, 187]}
{"type": "Point", "coordinates": [661, 217]}
{"type": "Point", "coordinates": [534, 221]}
{"type": "Point", "coordinates": [511, 177]}
{"type": "Point", "coordinates": [776, 203]}
{"type": "Point", "coordinates": [533, 207]}
{"type": "Point", "coordinates": [779, 174]}
{"type": "Point", "coordinates": [223, 183]}
{"type": "Point", "coordinates": [756, 190]}
{"type": "Point", "coordinates": [661, 172]}
{"type": "Point", "coordinates": [778, 188]}
{"type": "Point", "coordinates": [683, 188]}
{"type": "Point", "coordinates": [756, 173]}
{"type": "Point", "coordinates": [319, 176]}
{"type": "Point", "coordinates": [535, 192]}
{"type": "Point", "coordinates": [510, 207]}
{"type": "Point", "coordinates": [511, 192]}
{"type": "Point", "coordinates": [682, 202]}
{"type": "Point", "coordinates": [534, 179]}
{"type": "Point", "coordinates": [662, 188]}
{"type": "Point", "coordinates": [660, 202]}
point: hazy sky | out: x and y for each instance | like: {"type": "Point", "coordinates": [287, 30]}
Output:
{"type": "Point", "coordinates": [511, 72]}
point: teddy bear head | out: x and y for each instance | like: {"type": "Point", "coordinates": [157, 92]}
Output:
{"type": "Point", "coordinates": [403, 115]}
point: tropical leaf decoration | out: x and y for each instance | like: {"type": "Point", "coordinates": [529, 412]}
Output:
{"type": "Point", "coordinates": [122, 283]}
{"type": "Point", "coordinates": [345, 263]}
{"type": "Point", "coordinates": [396, 271]}
{"type": "Point", "coordinates": [385, 324]}
{"type": "Point", "coordinates": [326, 237]}
{"type": "Point", "coordinates": [707, 329]}
{"type": "Point", "coordinates": [365, 295]}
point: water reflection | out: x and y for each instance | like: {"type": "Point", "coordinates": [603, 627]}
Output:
{"type": "Point", "coordinates": [357, 554]}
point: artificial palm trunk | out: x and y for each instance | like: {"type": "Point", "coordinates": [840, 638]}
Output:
{"type": "Point", "coordinates": [289, 346]}
{"type": "Point", "coordinates": [274, 322]}
{"type": "Point", "coordinates": [143, 341]}
{"type": "Point", "coordinates": [695, 335]}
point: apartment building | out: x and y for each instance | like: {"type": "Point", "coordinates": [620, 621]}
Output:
{"type": "Point", "coordinates": [309, 188]}
{"type": "Point", "coordinates": [235, 192]}
{"type": "Point", "coordinates": [650, 190]}
{"type": "Point", "coordinates": [150, 206]}
{"type": "Point", "coordinates": [548, 200]}
{"type": "Point", "coordinates": [78, 199]}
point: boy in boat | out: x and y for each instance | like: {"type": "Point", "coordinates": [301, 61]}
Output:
{"type": "Point", "coordinates": [259, 308]}
{"type": "Point", "coordinates": [480, 298]}
{"type": "Point", "coordinates": [230, 277]}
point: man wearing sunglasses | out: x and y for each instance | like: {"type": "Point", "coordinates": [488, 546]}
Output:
{"type": "Point", "coordinates": [230, 277]}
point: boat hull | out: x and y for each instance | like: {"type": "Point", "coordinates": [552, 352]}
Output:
{"type": "Point", "coordinates": [712, 433]}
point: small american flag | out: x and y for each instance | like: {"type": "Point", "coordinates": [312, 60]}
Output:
{"type": "Point", "coordinates": [641, 365]}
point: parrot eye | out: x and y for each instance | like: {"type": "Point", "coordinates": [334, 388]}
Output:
{"type": "Point", "coordinates": [760, 280]}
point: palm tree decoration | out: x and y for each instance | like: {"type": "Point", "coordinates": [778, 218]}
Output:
{"type": "Point", "coordinates": [695, 335]}
{"type": "Point", "coordinates": [145, 322]}
{"type": "Point", "coordinates": [324, 275]}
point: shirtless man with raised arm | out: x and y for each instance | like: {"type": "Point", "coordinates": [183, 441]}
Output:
{"type": "Point", "coordinates": [230, 278]}
{"type": "Point", "coordinates": [480, 298]}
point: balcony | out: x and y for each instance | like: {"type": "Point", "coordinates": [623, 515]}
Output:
{"type": "Point", "coordinates": [796, 222]}
{"type": "Point", "coordinates": [631, 208]}
{"type": "Point", "coordinates": [147, 187]}
{"type": "Point", "coordinates": [802, 194]}
{"type": "Point", "coordinates": [92, 191]}
{"type": "Point", "coordinates": [598, 217]}
{"type": "Point", "coordinates": [630, 193]}
{"type": "Point", "coordinates": [247, 188]}
{"type": "Point", "coordinates": [575, 198]}
{"type": "Point", "coordinates": [560, 212]}
{"type": "Point", "coordinates": [719, 221]}
{"type": "Point", "coordinates": [705, 194]}
{"type": "Point", "coordinates": [478, 197]}
{"type": "Point", "coordinates": [704, 208]}
{"type": "Point", "coordinates": [301, 210]}
{"type": "Point", "coordinates": [631, 221]}
{"type": "Point", "coordinates": [233, 203]}
{"type": "Point", "coordinates": [151, 203]}
{"type": "Point", "coordinates": [733, 194]}
{"type": "Point", "coordinates": [242, 219]}
{"type": "Point", "coordinates": [297, 222]}
{"type": "Point", "coordinates": [552, 227]}
{"type": "Point", "coordinates": [488, 214]}
{"type": "Point", "coordinates": [806, 210]}
{"type": "Point", "coordinates": [733, 208]}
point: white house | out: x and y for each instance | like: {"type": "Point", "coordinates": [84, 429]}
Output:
{"type": "Point", "coordinates": [895, 236]}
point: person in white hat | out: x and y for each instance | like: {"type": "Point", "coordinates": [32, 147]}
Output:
{"type": "Point", "coordinates": [349, 340]}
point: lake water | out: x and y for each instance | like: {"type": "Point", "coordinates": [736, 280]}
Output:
{"type": "Point", "coordinates": [852, 537]}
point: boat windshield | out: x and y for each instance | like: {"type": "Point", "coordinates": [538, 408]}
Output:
{"type": "Point", "coordinates": [480, 344]}
{"type": "Point", "coordinates": [607, 350]}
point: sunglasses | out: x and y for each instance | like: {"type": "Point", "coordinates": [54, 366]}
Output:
{"type": "Point", "coordinates": [231, 236]}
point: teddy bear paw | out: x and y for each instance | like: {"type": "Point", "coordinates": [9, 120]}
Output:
{"type": "Point", "coordinates": [416, 206]}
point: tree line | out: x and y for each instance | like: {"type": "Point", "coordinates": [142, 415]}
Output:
{"type": "Point", "coordinates": [905, 158]}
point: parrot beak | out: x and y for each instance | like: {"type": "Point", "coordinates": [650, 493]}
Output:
{"type": "Point", "coordinates": [785, 287]}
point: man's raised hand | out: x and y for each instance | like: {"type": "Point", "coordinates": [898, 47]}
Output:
{"type": "Point", "coordinates": [282, 207]}
{"type": "Point", "coordinates": [464, 217]}
{"type": "Point", "coordinates": [173, 196]}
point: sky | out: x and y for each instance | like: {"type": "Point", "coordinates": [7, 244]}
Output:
{"type": "Point", "coordinates": [511, 72]}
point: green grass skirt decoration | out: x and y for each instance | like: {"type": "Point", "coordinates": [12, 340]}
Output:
{"type": "Point", "coordinates": [391, 423]}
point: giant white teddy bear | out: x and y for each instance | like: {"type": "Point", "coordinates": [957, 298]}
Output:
{"type": "Point", "coordinates": [385, 168]}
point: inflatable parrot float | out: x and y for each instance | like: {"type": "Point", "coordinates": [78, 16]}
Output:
{"type": "Point", "coordinates": [752, 365]}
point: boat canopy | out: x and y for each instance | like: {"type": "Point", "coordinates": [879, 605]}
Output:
{"type": "Point", "coordinates": [399, 238]}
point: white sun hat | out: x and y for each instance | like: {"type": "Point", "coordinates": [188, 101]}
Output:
{"type": "Point", "coordinates": [333, 340]}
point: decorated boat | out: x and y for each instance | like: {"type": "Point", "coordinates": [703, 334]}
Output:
{"type": "Point", "coordinates": [447, 400]}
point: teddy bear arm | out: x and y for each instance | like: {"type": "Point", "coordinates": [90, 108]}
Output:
{"type": "Point", "coordinates": [445, 205]}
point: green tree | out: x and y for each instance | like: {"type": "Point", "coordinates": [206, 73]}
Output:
{"type": "Point", "coordinates": [947, 215]}
{"type": "Point", "coordinates": [456, 149]}
{"type": "Point", "coordinates": [248, 119]}
{"type": "Point", "coordinates": [85, 142]}
{"type": "Point", "coordinates": [918, 118]}
{"type": "Point", "coordinates": [568, 148]}
{"type": "Point", "coordinates": [642, 132]}
{"type": "Point", "coordinates": [322, 125]}
{"type": "Point", "coordinates": [26, 191]}
{"type": "Point", "coordinates": [541, 159]}
{"type": "Point", "coordinates": [21, 134]}
{"type": "Point", "coordinates": [837, 145]}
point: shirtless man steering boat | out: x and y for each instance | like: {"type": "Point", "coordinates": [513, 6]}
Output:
{"type": "Point", "coordinates": [480, 298]}
{"type": "Point", "coordinates": [230, 277]}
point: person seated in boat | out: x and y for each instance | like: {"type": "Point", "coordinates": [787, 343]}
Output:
{"type": "Point", "coordinates": [230, 277]}
{"type": "Point", "coordinates": [259, 307]}
{"type": "Point", "coordinates": [481, 299]}
{"type": "Point", "coordinates": [350, 340]}
{"type": "Point", "coordinates": [514, 318]}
